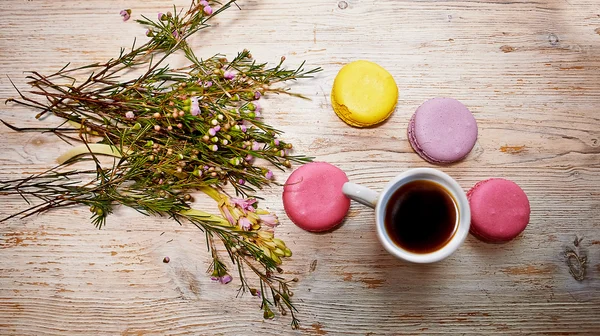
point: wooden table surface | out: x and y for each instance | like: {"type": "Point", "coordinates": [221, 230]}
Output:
{"type": "Point", "coordinates": [529, 71]}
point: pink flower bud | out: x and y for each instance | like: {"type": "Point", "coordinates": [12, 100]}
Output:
{"type": "Point", "coordinates": [225, 279]}
{"type": "Point", "coordinates": [129, 115]}
{"type": "Point", "coordinates": [229, 75]}
{"type": "Point", "coordinates": [208, 10]}
{"type": "Point", "coordinates": [245, 223]}
{"type": "Point", "coordinates": [126, 14]}
{"type": "Point", "coordinates": [270, 220]}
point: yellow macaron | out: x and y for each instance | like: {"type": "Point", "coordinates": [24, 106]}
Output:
{"type": "Point", "coordinates": [363, 94]}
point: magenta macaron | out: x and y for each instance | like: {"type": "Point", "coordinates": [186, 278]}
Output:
{"type": "Point", "coordinates": [442, 131]}
{"type": "Point", "coordinates": [313, 198]}
{"type": "Point", "coordinates": [499, 210]}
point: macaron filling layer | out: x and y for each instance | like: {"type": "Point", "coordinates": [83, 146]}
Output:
{"type": "Point", "coordinates": [415, 144]}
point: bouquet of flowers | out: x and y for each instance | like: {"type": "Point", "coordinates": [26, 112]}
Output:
{"type": "Point", "coordinates": [172, 132]}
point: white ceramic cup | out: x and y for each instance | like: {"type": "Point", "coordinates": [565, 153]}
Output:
{"type": "Point", "coordinates": [379, 201]}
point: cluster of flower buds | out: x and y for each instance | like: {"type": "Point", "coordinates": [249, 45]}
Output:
{"type": "Point", "coordinates": [243, 214]}
{"type": "Point", "coordinates": [272, 247]}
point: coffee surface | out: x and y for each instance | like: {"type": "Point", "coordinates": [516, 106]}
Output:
{"type": "Point", "coordinates": [421, 216]}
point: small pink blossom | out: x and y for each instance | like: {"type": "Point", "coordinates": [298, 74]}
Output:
{"type": "Point", "coordinates": [208, 84]}
{"type": "Point", "coordinates": [217, 128]}
{"type": "Point", "coordinates": [257, 95]}
{"type": "Point", "coordinates": [243, 128]}
{"type": "Point", "coordinates": [195, 108]}
{"type": "Point", "coordinates": [257, 107]}
{"type": "Point", "coordinates": [176, 34]}
{"type": "Point", "coordinates": [241, 182]}
{"type": "Point", "coordinates": [270, 220]}
{"type": "Point", "coordinates": [129, 115]}
{"type": "Point", "coordinates": [208, 10]}
{"type": "Point", "coordinates": [225, 279]}
{"type": "Point", "coordinates": [212, 132]}
{"type": "Point", "coordinates": [269, 175]}
{"type": "Point", "coordinates": [244, 204]}
{"type": "Point", "coordinates": [256, 146]}
{"type": "Point", "coordinates": [249, 158]}
{"type": "Point", "coordinates": [229, 75]}
{"type": "Point", "coordinates": [126, 14]}
{"type": "Point", "coordinates": [276, 142]}
{"type": "Point", "coordinates": [161, 16]}
{"type": "Point", "coordinates": [245, 223]}
{"type": "Point", "coordinates": [203, 3]}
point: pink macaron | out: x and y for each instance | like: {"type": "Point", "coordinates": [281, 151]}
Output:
{"type": "Point", "coordinates": [442, 131]}
{"type": "Point", "coordinates": [313, 198]}
{"type": "Point", "coordinates": [499, 210]}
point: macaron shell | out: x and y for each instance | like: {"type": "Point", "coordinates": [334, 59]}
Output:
{"type": "Point", "coordinates": [443, 130]}
{"type": "Point", "coordinates": [500, 210]}
{"type": "Point", "coordinates": [313, 198]}
{"type": "Point", "coordinates": [363, 94]}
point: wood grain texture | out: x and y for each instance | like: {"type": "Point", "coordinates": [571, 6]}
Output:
{"type": "Point", "coordinates": [530, 72]}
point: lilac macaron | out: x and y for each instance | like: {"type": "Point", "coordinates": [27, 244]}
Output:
{"type": "Point", "coordinates": [442, 131]}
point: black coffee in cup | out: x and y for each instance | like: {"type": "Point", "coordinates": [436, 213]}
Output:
{"type": "Point", "coordinates": [421, 216]}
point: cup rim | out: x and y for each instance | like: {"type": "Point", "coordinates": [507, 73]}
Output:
{"type": "Point", "coordinates": [447, 182]}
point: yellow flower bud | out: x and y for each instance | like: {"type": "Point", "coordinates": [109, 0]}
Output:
{"type": "Point", "coordinates": [236, 213]}
{"type": "Point", "coordinates": [279, 252]}
{"type": "Point", "coordinates": [265, 235]}
{"type": "Point", "coordinates": [280, 243]}
{"type": "Point", "coordinates": [252, 217]}
{"type": "Point", "coordinates": [262, 212]}
{"type": "Point", "coordinates": [276, 259]}
{"type": "Point", "coordinates": [266, 251]}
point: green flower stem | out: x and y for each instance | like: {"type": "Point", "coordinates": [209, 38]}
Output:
{"type": "Point", "coordinates": [204, 216]}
